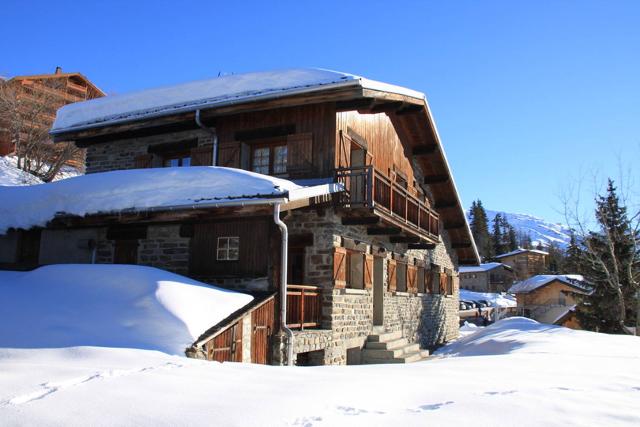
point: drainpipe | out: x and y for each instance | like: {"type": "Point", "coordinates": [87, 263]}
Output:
{"type": "Point", "coordinates": [283, 281]}
{"type": "Point", "coordinates": [214, 137]}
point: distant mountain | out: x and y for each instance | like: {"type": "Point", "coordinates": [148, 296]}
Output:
{"type": "Point", "coordinates": [540, 230]}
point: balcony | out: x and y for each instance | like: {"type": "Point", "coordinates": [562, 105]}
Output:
{"type": "Point", "coordinates": [304, 306]}
{"type": "Point", "coordinates": [367, 190]}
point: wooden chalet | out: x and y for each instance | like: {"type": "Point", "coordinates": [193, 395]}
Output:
{"type": "Point", "coordinates": [371, 266]}
{"type": "Point", "coordinates": [49, 92]}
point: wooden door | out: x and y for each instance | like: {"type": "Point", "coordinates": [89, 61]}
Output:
{"type": "Point", "coordinates": [125, 251]}
{"type": "Point", "coordinates": [262, 323]}
{"type": "Point", "coordinates": [227, 346]}
{"type": "Point", "coordinates": [358, 181]}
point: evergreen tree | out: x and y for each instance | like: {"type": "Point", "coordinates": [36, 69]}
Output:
{"type": "Point", "coordinates": [573, 263]}
{"type": "Point", "coordinates": [500, 242]}
{"type": "Point", "coordinates": [611, 265]}
{"type": "Point", "coordinates": [480, 230]}
{"type": "Point", "coordinates": [511, 234]}
{"type": "Point", "coordinates": [556, 258]}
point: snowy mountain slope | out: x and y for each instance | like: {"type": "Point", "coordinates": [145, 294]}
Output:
{"type": "Point", "coordinates": [540, 230]}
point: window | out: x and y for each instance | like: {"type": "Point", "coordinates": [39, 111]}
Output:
{"type": "Point", "coordinates": [355, 270]}
{"type": "Point", "coordinates": [401, 277]}
{"type": "Point", "coordinates": [269, 159]}
{"type": "Point", "coordinates": [176, 160]}
{"type": "Point", "coordinates": [228, 249]}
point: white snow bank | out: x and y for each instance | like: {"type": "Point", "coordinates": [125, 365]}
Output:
{"type": "Point", "coordinates": [496, 300]}
{"type": "Point", "coordinates": [468, 329]}
{"type": "Point", "coordinates": [528, 375]}
{"type": "Point", "coordinates": [535, 282]}
{"type": "Point", "coordinates": [110, 306]}
{"type": "Point", "coordinates": [139, 189]}
{"type": "Point", "coordinates": [11, 175]}
{"type": "Point", "coordinates": [481, 268]}
{"type": "Point", "coordinates": [223, 90]}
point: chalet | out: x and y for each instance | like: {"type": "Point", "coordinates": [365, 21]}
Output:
{"type": "Point", "coordinates": [550, 298]}
{"type": "Point", "coordinates": [49, 92]}
{"type": "Point", "coordinates": [525, 262]}
{"type": "Point", "coordinates": [489, 277]}
{"type": "Point", "coordinates": [350, 238]}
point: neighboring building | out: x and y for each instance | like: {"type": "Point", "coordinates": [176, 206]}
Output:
{"type": "Point", "coordinates": [489, 277]}
{"type": "Point", "coordinates": [49, 92]}
{"type": "Point", "coordinates": [550, 298]}
{"type": "Point", "coordinates": [375, 235]}
{"type": "Point", "coordinates": [525, 262]}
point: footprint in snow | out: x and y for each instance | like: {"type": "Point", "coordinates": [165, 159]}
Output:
{"type": "Point", "coordinates": [348, 410]}
{"type": "Point", "coordinates": [493, 393]}
{"type": "Point", "coordinates": [306, 421]}
{"type": "Point", "coordinates": [431, 407]}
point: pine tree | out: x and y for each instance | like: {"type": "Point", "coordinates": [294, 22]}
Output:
{"type": "Point", "coordinates": [611, 265]}
{"type": "Point", "coordinates": [480, 230]}
{"type": "Point", "coordinates": [511, 234]}
{"type": "Point", "coordinates": [573, 263]}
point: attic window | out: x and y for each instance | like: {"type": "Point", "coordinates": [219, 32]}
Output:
{"type": "Point", "coordinates": [228, 248]}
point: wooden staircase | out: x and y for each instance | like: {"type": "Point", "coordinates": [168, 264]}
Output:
{"type": "Point", "coordinates": [391, 347]}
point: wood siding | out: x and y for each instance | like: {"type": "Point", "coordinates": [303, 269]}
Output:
{"type": "Point", "coordinates": [314, 123]}
{"type": "Point", "coordinates": [254, 254]}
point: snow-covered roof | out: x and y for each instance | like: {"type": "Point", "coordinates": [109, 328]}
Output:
{"type": "Point", "coordinates": [109, 305]}
{"type": "Point", "coordinates": [146, 189]}
{"type": "Point", "coordinates": [216, 92]}
{"type": "Point", "coordinates": [522, 251]}
{"type": "Point", "coordinates": [482, 268]}
{"type": "Point", "coordinates": [535, 282]}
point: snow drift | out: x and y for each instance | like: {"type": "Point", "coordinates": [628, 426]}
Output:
{"type": "Point", "coordinates": [135, 189]}
{"type": "Point", "coordinates": [109, 306]}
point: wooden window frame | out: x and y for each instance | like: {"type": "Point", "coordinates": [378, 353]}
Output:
{"type": "Point", "coordinates": [227, 249]}
{"type": "Point", "coordinates": [179, 155]}
{"type": "Point", "coordinates": [348, 271]}
{"type": "Point", "coordinates": [399, 266]}
{"type": "Point", "coordinates": [271, 145]}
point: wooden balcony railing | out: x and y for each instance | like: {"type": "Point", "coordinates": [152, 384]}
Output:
{"type": "Point", "coordinates": [367, 187]}
{"type": "Point", "coordinates": [304, 306]}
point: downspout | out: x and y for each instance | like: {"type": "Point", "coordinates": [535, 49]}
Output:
{"type": "Point", "coordinates": [283, 281]}
{"type": "Point", "coordinates": [214, 137]}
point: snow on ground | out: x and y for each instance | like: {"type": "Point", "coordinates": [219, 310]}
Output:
{"type": "Point", "coordinates": [515, 372]}
{"type": "Point", "coordinates": [11, 175]}
{"type": "Point", "coordinates": [25, 207]}
{"type": "Point", "coordinates": [496, 300]}
{"type": "Point", "coordinates": [110, 306]}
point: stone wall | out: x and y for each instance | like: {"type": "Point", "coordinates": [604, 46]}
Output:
{"type": "Point", "coordinates": [121, 154]}
{"type": "Point", "coordinates": [165, 249]}
{"type": "Point", "coordinates": [347, 314]}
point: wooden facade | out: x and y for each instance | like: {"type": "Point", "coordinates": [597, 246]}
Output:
{"type": "Point", "coordinates": [44, 93]}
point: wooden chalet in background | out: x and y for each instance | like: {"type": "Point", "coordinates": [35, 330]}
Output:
{"type": "Point", "coordinates": [52, 90]}
{"type": "Point", "coordinates": [372, 269]}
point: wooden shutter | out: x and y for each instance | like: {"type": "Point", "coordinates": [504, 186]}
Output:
{"type": "Point", "coordinates": [339, 267]}
{"type": "Point", "coordinates": [202, 156]}
{"type": "Point", "coordinates": [368, 271]}
{"type": "Point", "coordinates": [443, 283]}
{"type": "Point", "coordinates": [391, 275]}
{"type": "Point", "coordinates": [299, 154]}
{"type": "Point", "coordinates": [229, 155]}
{"type": "Point", "coordinates": [143, 161]}
{"type": "Point", "coordinates": [412, 283]}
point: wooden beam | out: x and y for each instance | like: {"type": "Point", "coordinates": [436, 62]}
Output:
{"type": "Point", "coordinates": [362, 220]}
{"type": "Point", "coordinates": [427, 246]}
{"type": "Point", "coordinates": [383, 231]}
{"type": "Point", "coordinates": [461, 245]}
{"type": "Point", "coordinates": [436, 179]}
{"type": "Point", "coordinates": [411, 109]}
{"type": "Point", "coordinates": [404, 239]}
{"type": "Point", "coordinates": [386, 107]}
{"type": "Point", "coordinates": [445, 205]}
{"type": "Point", "coordinates": [424, 150]}
{"type": "Point", "coordinates": [455, 225]}
{"type": "Point", "coordinates": [355, 104]}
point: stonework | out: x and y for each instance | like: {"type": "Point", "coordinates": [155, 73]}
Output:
{"type": "Point", "coordinates": [164, 248]}
{"type": "Point", "coordinates": [347, 314]}
{"type": "Point", "coordinates": [121, 154]}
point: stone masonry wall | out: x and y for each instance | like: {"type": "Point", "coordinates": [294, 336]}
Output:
{"type": "Point", "coordinates": [348, 313]}
{"type": "Point", "coordinates": [121, 154]}
{"type": "Point", "coordinates": [164, 248]}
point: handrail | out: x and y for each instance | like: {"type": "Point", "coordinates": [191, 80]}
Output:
{"type": "Point", "coordinates": [305, 302]}
{"type": "Point", "coordinates": [366, 186]}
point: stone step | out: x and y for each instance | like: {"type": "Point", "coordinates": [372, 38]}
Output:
{"type": "Point", "coordinates": [385, 337]}
{"type": "Point", "coordinates": [380, 354]}
{"type": "Point", "coordinates": [411, 348]}
{"type": "Point", "coordinates": [404, 358]}
{"type": "Point", "coordinates": [389, 345]}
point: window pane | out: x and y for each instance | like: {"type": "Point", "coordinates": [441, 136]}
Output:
{"type": "Point", "coordinates": [233, 254]}
{"type": "Point", "coordinates": [280, 159]}
{"type": "Point", "coordinates": [186, 161]}
{"type": "Point", "coordinates": [174, 162]}
{"type": "Point", "coordinates": [234, 242]}
{"type": "Point", "coordinates": [221, 255]}
{"type": "Point", "coordinates": [260, 162]}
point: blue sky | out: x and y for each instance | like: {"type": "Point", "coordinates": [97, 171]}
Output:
{"type": "Point", "coordinates": [527, 96]}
